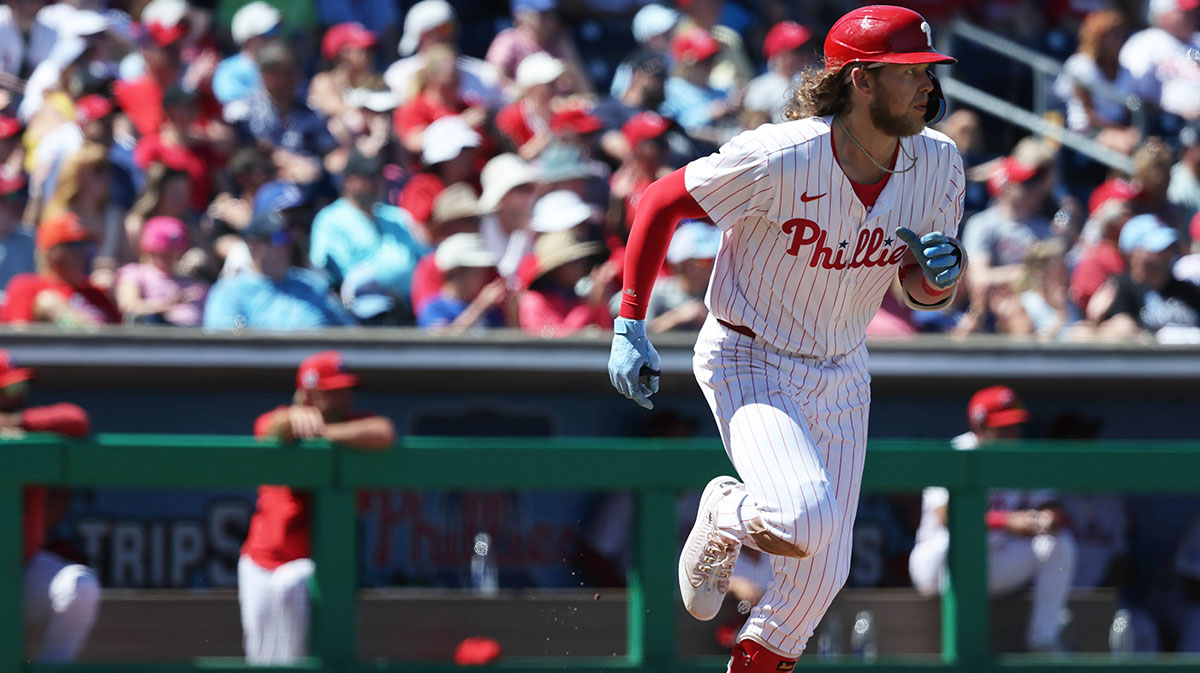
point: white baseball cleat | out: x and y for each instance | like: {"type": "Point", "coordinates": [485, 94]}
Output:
{"type": "Point", "coordinates": [707, 560]}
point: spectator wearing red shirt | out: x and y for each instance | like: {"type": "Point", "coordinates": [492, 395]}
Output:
{"type": "Point", "coordinates": [60, 292]}
{"type": "Point", "coordinates": [550, 307]}
{"type": "Point", "coordinates": [526, 121]}
{"type": "Point", "coordinates": [182, 145]}
{"type": "Point", "coordinates": [437, 96]}
{"type": "Point", "coordinates": [1101, 260]}
{"type": "Point", "coordinates": [59, 595]}
{"type": "Point", "coordinates": [141, 98]}
{"type": "Point", "coordinates": [450, 155]}
{"type": "Point", "coordinates": [275, 566]}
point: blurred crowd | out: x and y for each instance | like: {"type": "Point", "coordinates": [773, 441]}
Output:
{"type": "Point", "coordinates": [300, 164]}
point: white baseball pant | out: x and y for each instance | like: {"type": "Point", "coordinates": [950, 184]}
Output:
{"type": "Point", "coordinates": [63, 596]}
{"type": "Point", "coordinates": [274, 605]}
{"type": "Point", "coordinates": [795, 429]}
{"type": "Point", "coordinates": [1013, 561]}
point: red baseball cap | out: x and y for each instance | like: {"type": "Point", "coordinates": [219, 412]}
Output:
{"type": "Point", "coordinates": [996, 407]}
{"type": "Point", "coordinates": [10, 373]}
{"type": "Point", "coordinates": [694, 45]}
{"type": "Point", "coordinates": [881, 34]}
{"type": "Point", "coordinates": [164, 35]}
{"type": "Point", "coordinates": [785, 36]}
{"type": "Point", "coordinates": [1009, 170]}
{"type": "Point", "coordinates": [324, 371]}
{"type": "Point", "coordinates": [65, 228]}
{"type": "Point", "coordinates": [349, 34]}
{"type": "Point", "coordinates": [92, 107]}
{"type": "Point", "coordinates": [9, 126]}
{"type": "Point", "coordinates": [575, 120]}
{"type": "Point", "coordinates": [644, 126]}
{"type": "Point", "coordinates": [1114, 189]}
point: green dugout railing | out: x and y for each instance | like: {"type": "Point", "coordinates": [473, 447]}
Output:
{"type": "Point", "coordinates": [654, 469]}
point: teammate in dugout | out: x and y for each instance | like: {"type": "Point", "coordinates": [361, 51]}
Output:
{"type": "Point", "coordinates": [274, 569]}
{"type": "Point", "coordinates": [819, 215]}
{"type": "Point", "coordinates": [61, 596]}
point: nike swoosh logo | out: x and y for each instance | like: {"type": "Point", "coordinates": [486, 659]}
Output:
{"type": "Point", "coordinates": [806, 198]}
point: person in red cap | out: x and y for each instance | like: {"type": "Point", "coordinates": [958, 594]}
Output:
{"type": "Point", "coordinates": [347, 48]}
{"type": "Point", "coordinates": [645, 133]}
{"type": "Point", "coordinates": [274, 568]}
{"type": "Point", "coordinates": [998, 238]}
{"type": "Point", "coordinates": [766, 95]}
{"type": "Point", "coordinates": [818, 216]}
{"type": "Point", "coordinates": [690, 99]}
{"type": "Point", "coordinates": [732, 68]}
{"type": "Point", "coordinates": [59, 595]}
{"type": "Point", "coordinates": [1027, 539]}
{"type": "Point", "coordinates": [60, 291]}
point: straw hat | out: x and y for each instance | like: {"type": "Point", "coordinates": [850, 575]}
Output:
{"type": "Point", "coordinates": [557, 248]}
{"type": "Point", "coordinates": [454, 203]}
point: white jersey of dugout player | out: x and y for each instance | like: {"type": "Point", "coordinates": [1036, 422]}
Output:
{"type": "Point", "coordinates": [1013, 560]}
{"type": "Point", "coordinates": [808, 264]}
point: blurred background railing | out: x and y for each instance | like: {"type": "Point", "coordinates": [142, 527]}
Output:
{"type": "Point", "coordinates": [655, 470]}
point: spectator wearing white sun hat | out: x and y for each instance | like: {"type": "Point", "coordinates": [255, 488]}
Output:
{"type": "Point", "coordinates": [237, 76]}
{"type": "Point", "coordinates": [430, 23]}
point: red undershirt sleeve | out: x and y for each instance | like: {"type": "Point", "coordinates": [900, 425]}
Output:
{"type": "Point", "coordinates": [665, 202]}
{"type": "Point", "coordinates": [63, 418]}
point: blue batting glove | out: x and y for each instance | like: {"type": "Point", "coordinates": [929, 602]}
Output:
{"type": "Point", "coordinates": [941, 257]}
{"type": "Point", "coordinates": [633, 364]}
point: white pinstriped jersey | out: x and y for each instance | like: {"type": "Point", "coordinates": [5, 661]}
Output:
{"type": "Point", "coordinates": [803, 263]}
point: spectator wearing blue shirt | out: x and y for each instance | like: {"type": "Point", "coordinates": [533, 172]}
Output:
{"type": "Point", "coordinates": [689, 98]}
{"type": "Point", "coordinates": [237, 76]}
{"type": "Point", "coordinates": [360, 242]}
{"type": "Point", "coordinates": [274, 116]}
{"type": "Point", "coordinates": [272, 294]}
{"type": "Point", "coordinates": [473, 295]}
{"type": "Point", "coordinates": [16, 241]}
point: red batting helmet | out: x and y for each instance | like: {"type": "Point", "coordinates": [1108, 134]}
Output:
{"type": "Point", "coordinates": [881, 34]}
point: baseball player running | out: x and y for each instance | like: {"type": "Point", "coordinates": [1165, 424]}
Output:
{"type": "Point", "coordinates": [274, 569]}
{"type": "Point", "coordinates": [819, 216]}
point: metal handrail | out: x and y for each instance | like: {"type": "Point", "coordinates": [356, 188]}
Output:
{"type": "Point", "coordinates": [999, 107]}
{"type": "Point", "coordinates": [1042, 64]}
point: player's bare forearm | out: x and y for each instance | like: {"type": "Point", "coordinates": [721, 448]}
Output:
{"type": "Point", "coordinates": [374, 433]}
{"type": "Point", "coordinates": [280, 425]}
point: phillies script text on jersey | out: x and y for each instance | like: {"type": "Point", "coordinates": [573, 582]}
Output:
{"type": "Point", "coordinates": [873, 247]}
{"type": "Point", "coordinates": [803, 263]}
